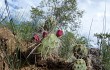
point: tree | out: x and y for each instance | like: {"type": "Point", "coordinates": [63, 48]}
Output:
{"type": "Point", "coordinates": [65, 12]}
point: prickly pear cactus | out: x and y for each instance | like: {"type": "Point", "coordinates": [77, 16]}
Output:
{"type": "Point", "coordinates": [50, 44]}
{"type": "Point", "coordinates": [79, 64]}
{"type": "Point", "coordinates": [80, 51]}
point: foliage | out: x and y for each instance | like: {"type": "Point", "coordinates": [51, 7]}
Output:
{"type": "Point", "coordinates": [65, 12]}
{"type": "Point", "coordinates": [25, 31]}
{"type": "Point", "coordinates": [105, 55]}
{"type": "Point", "coordinates": [13, 60]}
{"type": "Point", "coordinates": [83, 40]}
{"type": "Point", "coordinates": [36, 12]}
{"type": "Point", "coordinates": [50, 24]}
{"type": "Point", "coordinates": [36, 15]}
{"type": "Point", "coordinates": [11, 25]}
{"type": "Point", "coordinates": [68, 41]}
{"type": "Point", "coordinates": [103, 42]}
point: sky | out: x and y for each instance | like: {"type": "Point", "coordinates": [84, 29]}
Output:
{"type": "Point", "coordinates": [93, 10]}
{"type": "Point", "coordinates": [20, 8]}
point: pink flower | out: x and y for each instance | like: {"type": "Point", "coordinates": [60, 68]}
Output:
{"type": "Point", "coordinates": [59, 33]}
{"type": "Point", "coordinates": [45, 33]}
{"type": "Point", "coordinates": [36, 38]}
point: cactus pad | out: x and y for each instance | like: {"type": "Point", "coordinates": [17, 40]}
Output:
{"type": "Point", "coordinates": [80, 51]}
{"type": "Point", "coordinates": [49, 44]}
{"type": "Point", "coordinates": [79, 64]}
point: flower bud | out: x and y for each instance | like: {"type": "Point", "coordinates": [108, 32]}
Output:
{"type": "Point", "coordinates": [45, 33]}
{"type": "Point", "coordinates": [36, 38]}
{"type": "Point", "coordinates": [59, 33]}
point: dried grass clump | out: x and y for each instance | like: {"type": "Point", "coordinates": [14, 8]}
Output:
{"type": "Point", "coordinates": [11, 42]}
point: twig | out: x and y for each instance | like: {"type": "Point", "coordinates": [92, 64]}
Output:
{"type": "Point", "coordinates": [33, 50]}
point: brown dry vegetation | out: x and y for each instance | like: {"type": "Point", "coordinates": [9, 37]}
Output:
{"type": "Point", "coordinates": [6, 34]}
{"type": "Point", "coordinates": [11, 41]}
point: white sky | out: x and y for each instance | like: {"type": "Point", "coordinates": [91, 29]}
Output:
{"type": "Point", "coordinates": [93, 9]}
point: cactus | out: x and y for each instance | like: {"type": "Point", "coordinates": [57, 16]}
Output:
{"type": "Point", "coordinates": [80, 51]}
{"type": "Point", "coordinates": [49, 45]}
{"type": "Point", "coordinates": [79, 64]}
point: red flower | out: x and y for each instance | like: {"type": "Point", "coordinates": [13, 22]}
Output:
{"type": "Point", "coordinates": [45, 33]}
{"type": "Point", "coordinates": [59, 33]}
{"type": "Point", "coordinates": [36, 38]}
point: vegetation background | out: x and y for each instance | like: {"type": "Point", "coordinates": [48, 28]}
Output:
{"type": "Point", "coordinates": [60, 14]}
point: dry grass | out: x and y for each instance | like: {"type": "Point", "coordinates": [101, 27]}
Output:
{"type": "Point", "coordinates": [11, 43]}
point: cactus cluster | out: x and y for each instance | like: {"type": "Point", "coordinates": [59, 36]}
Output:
{"type": "Point", "coordinates": [80, 51]}
{"type": "Point", "coordinates": [79, 64]}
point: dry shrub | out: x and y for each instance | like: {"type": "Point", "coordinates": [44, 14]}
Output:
{"type": "Point", "coordinates": [11, 43]}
